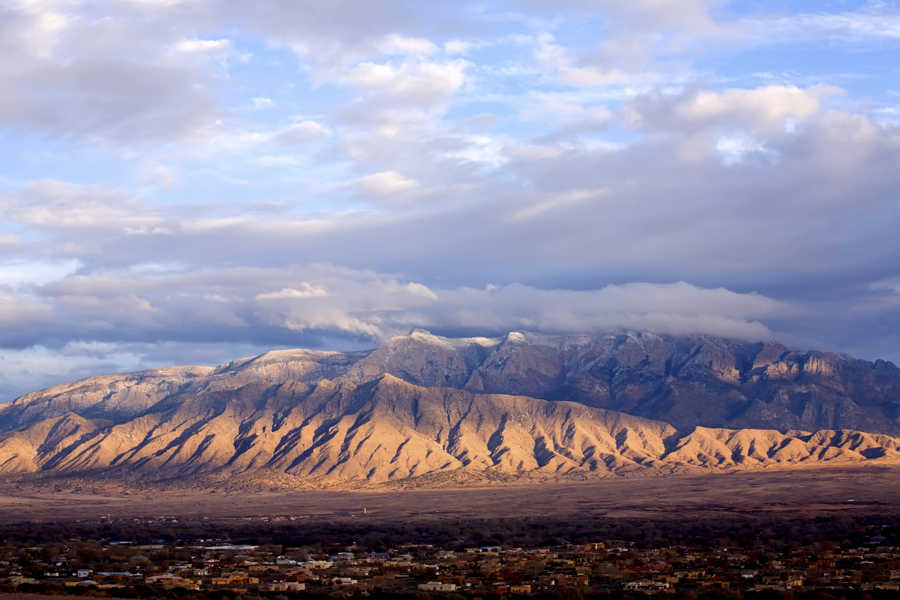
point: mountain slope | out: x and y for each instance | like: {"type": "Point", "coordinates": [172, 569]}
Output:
{"type": "Point", "coordinates": [685, 381]}
{"type": "Point", "coordinates": [387, 429]}
{"type": "Point", "coordinates": [521, 405]}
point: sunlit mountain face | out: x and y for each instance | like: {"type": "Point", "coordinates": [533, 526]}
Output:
{"type": "Point", "coordinates": [428, 409]}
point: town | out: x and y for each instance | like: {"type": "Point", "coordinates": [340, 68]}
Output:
{"type": "Point", "coordinates": [868, 567]}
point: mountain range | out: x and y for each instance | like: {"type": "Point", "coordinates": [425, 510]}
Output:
{"type": "Point", "coordinates": [422, 407]}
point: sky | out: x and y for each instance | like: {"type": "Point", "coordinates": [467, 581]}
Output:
{"type": "Point", "coordinates": [189, 182]}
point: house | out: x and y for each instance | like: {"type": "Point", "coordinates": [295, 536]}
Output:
{"type": "Point", "coordinates": [283, 586]}
{"type": "Point", "coordinates": [170, 581]}
{"type": "Point", "coordinates": [646, 585]}
{"type": "Point", "coordinates": [437, 586]}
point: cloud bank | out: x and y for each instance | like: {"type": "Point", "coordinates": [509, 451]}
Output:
{"type": "Point", "coordinates": [195, 181]}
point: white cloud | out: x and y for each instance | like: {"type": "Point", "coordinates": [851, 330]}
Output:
{"type": "Point", "coordinates": [204, 46]}
{"type": "Point", "coordinates": [399, 44]}
{"type": "Point", "coordinates": [261, 102]}
{"type": "Point", "coordinates": [732, 124]}
{"type": "Point", "coordinates": [419, 289]}
{"type": "Point", "coordinates": [773, 108]}
{"type": "Point", "coordinates": [302, 291]}
{"type": "Point", "coordinates": [300, 133]}
{"type": "Point", "coordinates": [156, 173]}
{"type": "Point", "coordinates": [458, 47]}
{"type": "Point", "coordinates": [765, 106]}
{"type": "Point", "coordinates": [418, 83]}
{"type": "Point", "coordinates": [387, 184]}
{"type": "Point", "coordinates": [278, 160]}
{"type": "Point", "coordinates": [666, 308]}
{"type": "Point", "coordinates": [232, 304]}
{"type": "Point", "coordinates": [56, 204]}
{"type": "Point", "coordinates": [563, 64]}
{"type": "Point", "coordinates": [581, 115]}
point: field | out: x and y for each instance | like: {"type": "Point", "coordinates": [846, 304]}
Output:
{"type": "Point", "coordinates": [774, 495]}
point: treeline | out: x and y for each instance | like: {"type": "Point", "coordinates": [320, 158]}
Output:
{"type": "Point", "coordinates": [775, 533]}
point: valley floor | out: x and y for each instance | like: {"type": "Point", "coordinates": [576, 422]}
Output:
{"type": "Point", "coordinates": [789, 493]}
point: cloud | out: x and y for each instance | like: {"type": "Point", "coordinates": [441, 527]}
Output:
{"type": "Point", "coordinates": [666, 308]}
{"type": "Point", "coordinates": [890, 284]}
{"type": "Point", "coordinates": [398, 44]}
{"type": "Point", "coordinates": [560, 60]}
{"type": "Point", "coordinates": [239, 305]}
{"type": "Point", "coordinates": [767, 108]}
{"type": "Point", "coordinates": [38, 367]}
{"type": "Point", "coordinates": [300, 133]}
{"type": "Point", "coordinates": [661, 218]}
{"type": "Point", "coordinates": [107, 332]}
{"type": "Point", "coordinates": [18, 311]}
{"type": "Point", "coordinates": [458, 46]}
{"type": "Point", "coordinates": [169, 190]}
{"type": "Point", "coordinates": [418, 289]}
{"type": "Point", "coordinates": [557, 201]}
{"type": "Point", "coordinates": [387, 184]}
{"type": "Point", "coordinates": [736, 149]}
{"type": "Point", "coordinates": [329, 37]}
{"type": "Point", "coordinates": [15, 274]}
{"type": "Point", "coordinates": [851, 26]}
{"type": "Point", "coordinates": [59, 205]}
{"type": "Point", "coordinates": [159, 174]}
{"type": "Point", "coordinates": [10, 242]}
{"type": "Point", "coordinates": [66, 75]}
{"type": "Point", "coordinates": [692, 15]}
{"type": "Point", "coordinates": [304, 290]}
{"type": "Point", "coordinates": [424, 83]}
{"type": "Point", "coordinates": [278, 160]}
{"type": "Point", "coordinates": [261, 102]}
{"type": "Point", "coordinates": [204, 46]}
{"type": "Point", "coordinates": [568, 110]}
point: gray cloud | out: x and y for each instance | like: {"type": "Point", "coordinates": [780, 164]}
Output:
{"type": "Point", "coordinates": [820, 216]}
{"type": "Point", "coordinates": [286, 304]}
{"type": "Point", "coordinates": [115, 79]}
{"type": "Point", "coordinates": [589, 185]}
{"type": "Point", "coordinates": [84, 324]}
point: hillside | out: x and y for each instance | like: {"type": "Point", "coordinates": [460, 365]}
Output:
{"type": "Point", "coordinates": [524, 405]}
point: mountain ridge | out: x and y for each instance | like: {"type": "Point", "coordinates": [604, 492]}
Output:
{"type": "Point", "coordinates": [685, 380]}
{"type": "Point", "coordinates": [423, 405]}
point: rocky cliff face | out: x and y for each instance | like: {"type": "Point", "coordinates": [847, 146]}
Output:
{"type": "Point", "coordinates": [421, 404]}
